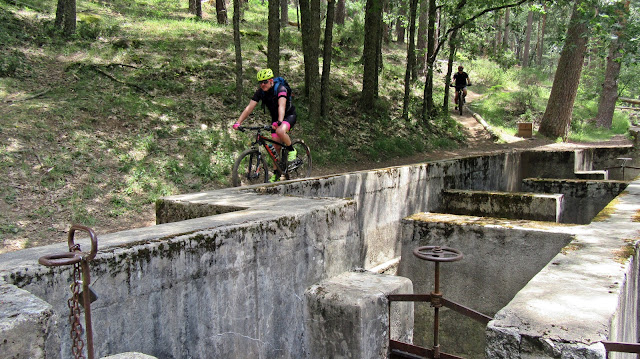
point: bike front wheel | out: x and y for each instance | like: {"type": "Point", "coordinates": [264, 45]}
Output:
{"type": "Point", "coordinates": [301, 166]}
{"type": "Point", "coordinates": [250, 168]}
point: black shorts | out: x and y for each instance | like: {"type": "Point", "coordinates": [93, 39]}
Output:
{"type": "Point", "coordinates": [291, 119]}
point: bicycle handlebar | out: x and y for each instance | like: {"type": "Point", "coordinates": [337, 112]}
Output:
{"type": "Point", "coordinates": [254, 128]}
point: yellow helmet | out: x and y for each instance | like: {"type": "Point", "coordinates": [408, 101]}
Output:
{"type": "Point", "coordinates": [265, 74]}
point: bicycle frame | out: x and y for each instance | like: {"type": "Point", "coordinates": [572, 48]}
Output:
{"type": "Point", "coordinates": [263, 141]}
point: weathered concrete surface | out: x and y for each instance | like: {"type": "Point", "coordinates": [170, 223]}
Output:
{"type": "Point", "coordinates": [215, 287]}
{"type": "Point", "coordinates": [26, 324]}
{"type": "Point", "coordinates": [543, 206]}
{"type": "Point", "coordinates": [583, 199]}
{"type": "Point", "coordinates": [231, 285]}
{"type": "Point", "coordinates": [586, 294]}
{"type": "Point", "coordinates": [129, 355]}
{"type": "Point", "coordinates": [348, 316]}
{"type": "Point", "coordinates": [500, 257]}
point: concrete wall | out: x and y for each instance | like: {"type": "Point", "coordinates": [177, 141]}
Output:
{"type": "Point", "coordinates": [583, 199]}
{"type": "Point", "coordinates": [543, 206]}
{"type": "Point", "coordinates": [232, 284]}
{"type": "Point", "coordinates": [500, 257]}
{"type": "Point", "coordinates": [586, 294]}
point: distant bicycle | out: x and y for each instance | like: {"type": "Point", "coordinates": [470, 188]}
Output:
{"type": "Point", "coordinates": [251, 166]}
{"type": "Point", "coordinates": [461, 99]}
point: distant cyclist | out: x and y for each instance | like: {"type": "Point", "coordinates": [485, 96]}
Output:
{"type": "Point", "coordinates": [461, 81]}
{"type": "Point", "coordinates": [278, 102]}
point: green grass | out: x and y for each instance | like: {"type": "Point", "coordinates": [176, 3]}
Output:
{"type": "Point", "coordinates": [138, 105]}
{"type": "Point", "coordinates": [520, 95]}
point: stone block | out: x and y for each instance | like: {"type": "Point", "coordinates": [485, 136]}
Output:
{"type": "Point", "coordinates": [26, 323]}
{"type": "Point", "coordinates": [348, 316]}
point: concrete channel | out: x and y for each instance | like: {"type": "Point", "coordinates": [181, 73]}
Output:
{"type": "Point", "coordinates": [286, 270]}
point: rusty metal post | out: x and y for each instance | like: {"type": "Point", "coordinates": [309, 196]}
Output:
{"type": "Point", "coordinates": [437, 254]}
{"type": "Point", "coordinates": [73, 257]}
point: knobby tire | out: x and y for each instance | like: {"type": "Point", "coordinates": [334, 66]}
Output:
{"type": "Point", "coordinates": [249, 168]}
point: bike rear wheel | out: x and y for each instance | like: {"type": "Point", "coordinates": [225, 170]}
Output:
{"type": "Point", "coordinates": [301, 166]}
{"type": "Point", "coordinates": [250, 168]}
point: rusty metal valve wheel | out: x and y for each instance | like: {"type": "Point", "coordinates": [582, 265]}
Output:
{"type": "Point", "coordinates": [438, 254]}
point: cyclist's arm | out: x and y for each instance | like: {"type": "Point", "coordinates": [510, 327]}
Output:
{"type": "Point", "coordinates": [282, 106]}
{"type": "Point", "coordinates": [247, 111]}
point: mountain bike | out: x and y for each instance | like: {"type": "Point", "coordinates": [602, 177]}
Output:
{"type": "Point", "coordinates": [461, 98]}
{"type": "Point", "coordinates": [251, 165]}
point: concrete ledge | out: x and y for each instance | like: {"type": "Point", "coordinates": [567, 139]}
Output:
{"type": "Point", "coordinates": [129, 355]}
{"type": "Point", "coordinates": [586, 294]}
{"type": "Point", "coordinates": [583, 199]}
{"type": "Point", "coordinates": [593, 175]}
{"type": "Point", "coordinates": [348, 315]}
{"type": "Point", "coordinates": [26, 324]}
{"type": "Point", "coordinates": [513, 205]}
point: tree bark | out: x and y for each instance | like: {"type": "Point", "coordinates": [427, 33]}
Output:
{"type": "Point", "coordinates": [507, 30]}
{"type": "Point", "coordinates": [221, 11]}
{"type": "Point", "coordinates": [557, 116]}
{"type": "Point", "coordinates": [198, 12]}
{"type": "Point", "coordinates": [400, 23]}
{"type": "Point", "coordinates": [527, 40]}
{"type": "Point", "coordinates": [452, 53]}
{"type": "Point", "coordinates": [540, 43]}
{"type": "Point", "coordinates": [609, 94]}
{"type": "Point", "coordinates": [69, 18]}
{"type": "Point", "coordinates": [284, 13]}
{"type": "Point", "coordinates": [370, 54]}
{"type": "Point", "coordinates": [236, 42]}
{"type": "Point", "coordinates": [310, 24]}
{"type": "Point", "coordinates": [421, 47]}
{"type": "Point", "coordinates": [411, 57]}
{"type": "Point", "coordinates": [273, 39]}
{"type": "Point", "coordinates": [59, 14]}
{"type": "Point", "coordinates": [326, 58]}
{"type": "Point", "coordinates": [341, 12]}
{"type": "Point", "coordinates": [427, 104]}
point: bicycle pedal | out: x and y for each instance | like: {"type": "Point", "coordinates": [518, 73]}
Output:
{"type": "Point", "coordinates": [295, 164]}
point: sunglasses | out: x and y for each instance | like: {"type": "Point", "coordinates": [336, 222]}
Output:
{"type": "Point", "coordinates": [263, 82]}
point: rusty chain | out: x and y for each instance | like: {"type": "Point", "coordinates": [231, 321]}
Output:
{"type": "Point", "coordinates": [74, 314]}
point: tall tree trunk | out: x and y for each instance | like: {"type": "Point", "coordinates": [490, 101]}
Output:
{"type": "Point", "coordinates": [221, 11]}
{"type": "Point", "coordinates": [527, 40]}
{"type": "Point", "coordinates": [310, 23]}
{"type": "Point", "coordinates": [284, 13]}
{"type": "Point", "coordinates": [341, 12]}
{"type": "Point", "coordinates": [386, 27]}
{"type": "Point", "coordinates": [59, 14]}
{"type": "Point", "coordinates": [609, 94]}
{"type": "Point", "coordinates": [370, 54]}
{"type": "Point", "coordinates": [401, 25]}
{"type": "Point", "coordinates": [498, 39]}
{"type": "Point", "coordinates": [540, 43]}
{"type": "Point", "coordinates": [557, 116]}
{"type": "Point", "coordinates": [411, 58]}
{"type": "Point", "coordinates": [69, 18]}
{"type": "Point", "coordinates": [326, 58]}
{"type": "Point", "coordinates": [427, 104]}
{"type": "Point", "coordinates": [273, 39]}
{"type": "Point", "coordinates": [421, 47]}
{"type": "Point", "coordinates": [452, 53]}
{"type": "Point", "coordinates": [236, 42]}
{"type": "Point", "coordinates": [507, 30]}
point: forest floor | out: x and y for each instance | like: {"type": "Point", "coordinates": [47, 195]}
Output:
{"type": "Point", "coordinates": [479, 142]}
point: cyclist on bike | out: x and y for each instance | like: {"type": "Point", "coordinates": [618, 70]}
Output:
{"type": "Point", "coordinates": [282, 111]}
{"type": "Point", "coordinates": [461, 81]}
